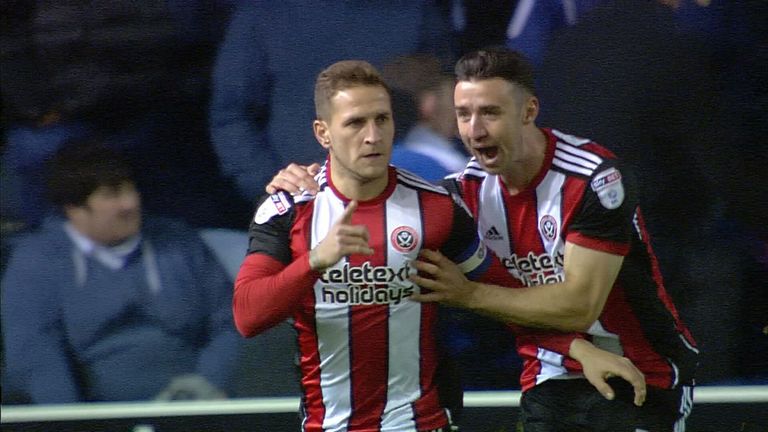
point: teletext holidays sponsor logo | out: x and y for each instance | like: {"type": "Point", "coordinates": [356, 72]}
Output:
{"type": "Point", "coordinates": [536, 269]}
{"type": "Point", "coordinates": [362, 284]}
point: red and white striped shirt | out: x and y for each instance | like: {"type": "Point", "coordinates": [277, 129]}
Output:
{"type": "Point", "coordinates": [580, 196]}
{"type": "Point", "coordinates": [369, 356]}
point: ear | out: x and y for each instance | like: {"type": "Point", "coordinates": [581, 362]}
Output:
{"type": "Point", "coordinates": [75, 214]}
{"type": "Point", "coordinates": [322, 133]}
{"type": "Point", "coordinates": [70, 210]}
{"type": "Point", "coordinates": [530, 110]}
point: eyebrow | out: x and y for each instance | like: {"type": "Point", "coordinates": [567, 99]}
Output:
{"type": "Point", "coordinates": [482, 108]}
{"type": "Point", "coordinates": [354, 118]}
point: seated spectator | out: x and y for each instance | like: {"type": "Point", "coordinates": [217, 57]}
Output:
{"type": "Point", "coordinates": [107, 305]}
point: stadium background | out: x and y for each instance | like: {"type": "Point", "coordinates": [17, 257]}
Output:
{"type": "Point", "coordinates": [710, 200]}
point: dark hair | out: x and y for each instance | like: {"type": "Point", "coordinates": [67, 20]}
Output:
{"type": "Point", "coordinates": [343, 75]}
{"type": "Point", "coordinates": [79, 168]}
{"type": "Point", "coordinates": [496, 63]}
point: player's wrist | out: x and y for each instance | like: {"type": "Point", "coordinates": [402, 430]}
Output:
{"type": "Point", "coordinates": [579, 348]}
{"type": "Point", "coordinates": [475, 298]}
{"type": "Point", "coordinates": [315, 263]}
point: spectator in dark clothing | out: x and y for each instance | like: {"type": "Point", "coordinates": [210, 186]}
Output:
{"type": "Point", "coordinates": [649, 86]}
{"type": "Point", "coordinates": [134, 71]}
{"type": "Point", "coordinates": [269, 58]}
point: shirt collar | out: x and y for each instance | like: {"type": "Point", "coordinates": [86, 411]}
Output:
{"type": "Point", "coordinates": [113, 257]}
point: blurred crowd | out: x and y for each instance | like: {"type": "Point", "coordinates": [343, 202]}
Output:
{"type": "Point", "coordinates": [179, 112]}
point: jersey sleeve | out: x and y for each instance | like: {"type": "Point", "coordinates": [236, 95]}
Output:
{"type": "Point", "coordinates": [269, 232]}
{"type": "Point", "coordinates": [271, 282]}
{"type": "Point", "coordinates": [604, 220]}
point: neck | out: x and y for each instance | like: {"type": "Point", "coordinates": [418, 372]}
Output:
{"type": "Point", "coordinates": [357, 188]}
{"type": "Point", "coordinates": [522, 173]}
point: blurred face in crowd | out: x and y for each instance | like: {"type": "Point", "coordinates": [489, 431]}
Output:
{"type": "Point", "coordinates": [491, 115]}
{"type": "Point", "coordinates": [111, 215]}
{"type": "Point", "coordinates": [438, 108]}
{"type": "Point", "coordinates": [358, 133]}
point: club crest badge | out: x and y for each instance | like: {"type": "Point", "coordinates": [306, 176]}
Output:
{"type": "Point", "coordinates": [404, 239]}
{"type": "Point", "coordinates": [548, 227]}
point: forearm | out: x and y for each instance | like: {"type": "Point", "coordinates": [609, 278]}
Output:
{"type": "Point", "coordinates": [547, 306]}
{"type": "Point", "coordinates": [498, 294]}
{"type": "Point", "coordinates": [263, 297]}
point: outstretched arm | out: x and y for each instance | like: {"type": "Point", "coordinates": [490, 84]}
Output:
{"type": "Point", "coordinates": [572, 305]}
{"type": "Point", "coordinates": [597, 364]}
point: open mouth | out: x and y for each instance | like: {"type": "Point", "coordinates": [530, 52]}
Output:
{"type": "Point", "coordinates": [488, 152]}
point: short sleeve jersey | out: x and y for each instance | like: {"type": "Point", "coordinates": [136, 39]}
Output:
{"type": "Point", "coordinates": [582, 195]}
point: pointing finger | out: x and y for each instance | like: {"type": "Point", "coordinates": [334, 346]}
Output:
{"type": "Point", "coordinates": [313, 169]}
{"type": "Point", "coordinates": [346, 218]}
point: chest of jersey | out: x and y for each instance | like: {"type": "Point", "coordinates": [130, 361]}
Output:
{"type": "Point", "coordinates": [396, 237]}
{"type": "Point", "coordinates": [527, 231]}
{"type": "Point", "coordinates": [364, 344]}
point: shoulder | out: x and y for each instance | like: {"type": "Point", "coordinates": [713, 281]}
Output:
{"type": "Point", "coordinates": [49, 236]}
{"type": "Point", "coordinates": [278, 206]}
{"type": "Point", "coordinates": [41, 253]}
{"type": "Point", "coordinates": [413, 181]}
{"type": "Point", "coordinates": [472, 172]}
{"type": "Point", "coordinates": [423, 165]}
{"type": "Point", "coordinates": [579, 156]}
{"type": "Point", "coordinates": [173, 237]}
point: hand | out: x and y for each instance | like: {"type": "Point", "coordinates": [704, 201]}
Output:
{"type": "Point", "coordinates": [343, 239]}
{"type": "Point", "coordinates": [444, 278]}
{"type": "Point", "coordinates": [295, 179]}
{"type": "Point", "coordinates": [190, 387]}
{"type": "Point", "coordinates": [599, 365]}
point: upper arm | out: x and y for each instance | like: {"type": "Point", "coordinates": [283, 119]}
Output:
{"type": "Point", "coordinates": [599, 236]}
{"type": "Point", "coordinates": [590, 275]}
{"type": "Point", "coordinates": [270, 228]}
{"type": "Point", "coordinates": [35, 344]}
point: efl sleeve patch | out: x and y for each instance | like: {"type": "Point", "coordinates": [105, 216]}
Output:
{"type": "Point", "coordinates": [609, 188]}
{"type": "Point", "coordinates": [276, 204]}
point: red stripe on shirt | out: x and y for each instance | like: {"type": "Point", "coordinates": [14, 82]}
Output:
{"type": "Point", "coordinates": [436, 210]}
